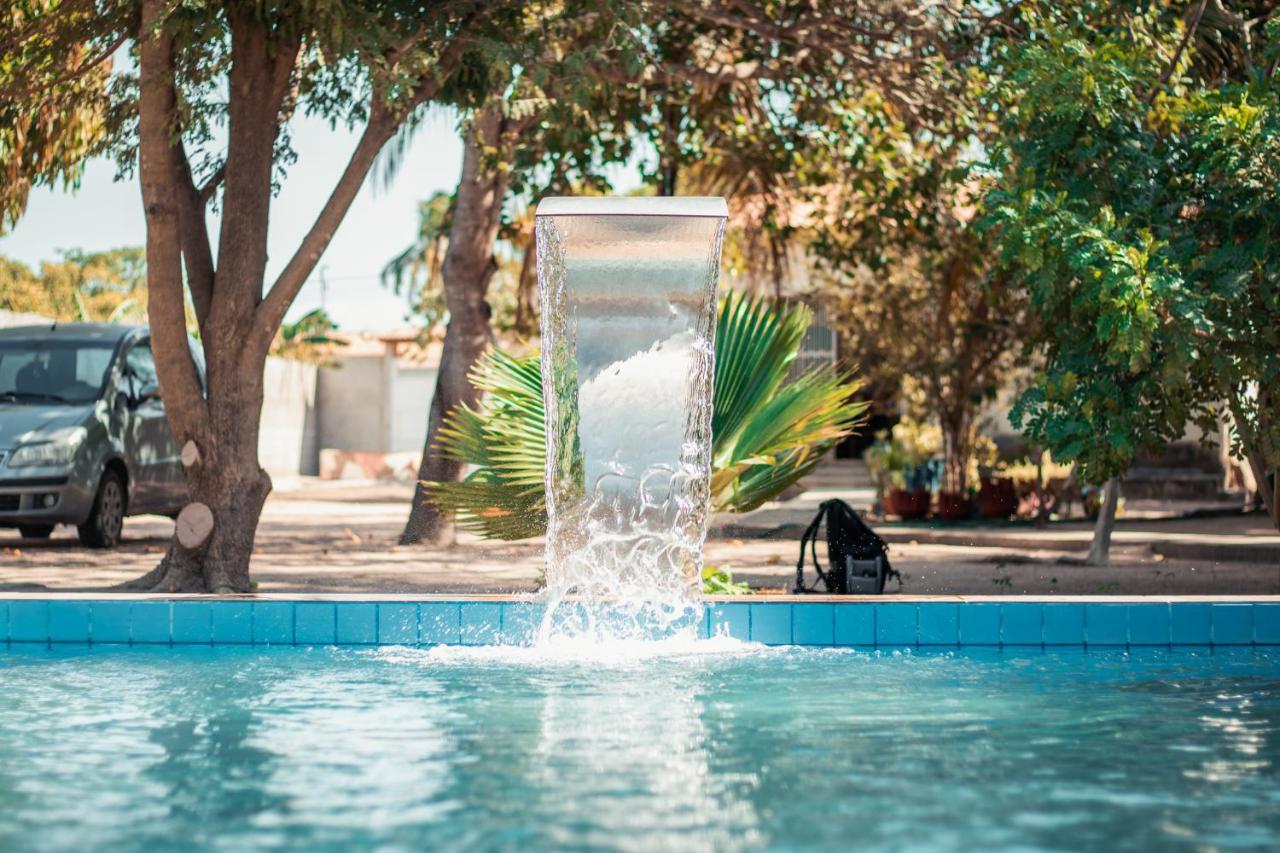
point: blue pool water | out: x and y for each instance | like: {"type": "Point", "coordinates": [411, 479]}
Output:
{"type": "Point", "coordinates": [244, 748]}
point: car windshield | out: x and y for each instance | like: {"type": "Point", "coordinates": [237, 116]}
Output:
{"type": "Point", "coordinates": [48, 371]}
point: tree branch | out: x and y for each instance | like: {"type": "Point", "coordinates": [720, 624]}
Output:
{"type": "Point", "coordinates": [197, 254]}
{"type": "Point", "coordinates": [211, 186]}
{"type": "Point", "coordinates": [84, 68]}
{"type": "Point", "coordinates": [166, 310]}
{"type": "Point", "coordinates": [1177, 54]}
{"type": "Point", "coordinates": [271, 311]}
{"type": "Point", "coordinates": [380, 128]}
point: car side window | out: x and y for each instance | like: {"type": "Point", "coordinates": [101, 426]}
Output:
{"type": "Point", "coordinates": [139, 368]}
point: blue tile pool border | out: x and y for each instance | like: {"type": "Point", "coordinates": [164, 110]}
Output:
{"type": "Point", "coordinates": [883, 622]}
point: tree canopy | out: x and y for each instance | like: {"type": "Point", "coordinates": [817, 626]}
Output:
{"type": "Point", "coordinates": [1137, 204]}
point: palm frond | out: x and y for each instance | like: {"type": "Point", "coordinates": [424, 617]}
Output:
{"type": "Point", "coordinates": [756, 344]}
{"type": "Point", "coordinates": [491, 508]}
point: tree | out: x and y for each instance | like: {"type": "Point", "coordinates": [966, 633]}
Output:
{"type": "Point", "coordinates": [1137, 207]}
{"type": "Point", "coordinates": [248, 68]}
{"type": "Point", "coordinates": [903, 263]}
{"type": "Point", "coordinates": [467, 268]}
{"type": "Point", "coordinates": [82, 286]}
{"type": "Point", "coordinates": [549, 103]}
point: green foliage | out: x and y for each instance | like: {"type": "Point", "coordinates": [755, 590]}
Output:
{"type": "Point", "coordinates": [308, 339]}
{"type": "Point", "coordinates": [102, 287]}
{"type": "Point", "coordinates": [905, 457]}
{"type": "Point", "coordinates": [1142, 221]}
{"type": "Point", "coordinates": [769, 431]}
{"type": "Point", "coordinates": [55, 93]}
{"type": "Point", "coordinates": [902, 265]}
{"type": "Point", "coordinates": [505, 439]}
{"type": "Point", "coordinates": [718, 580]}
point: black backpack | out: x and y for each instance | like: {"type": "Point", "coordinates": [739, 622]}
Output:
{"type": "Point", "coordinates": [858, 561]}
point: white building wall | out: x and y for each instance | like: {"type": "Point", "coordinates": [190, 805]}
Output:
{"type": "Point", "coordinates": [287, 443]}
{"type": "Point", "coordinates": [411, 405]}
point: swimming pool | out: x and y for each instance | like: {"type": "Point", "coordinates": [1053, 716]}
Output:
{"type": "Point", "coordinates": [739, 746]}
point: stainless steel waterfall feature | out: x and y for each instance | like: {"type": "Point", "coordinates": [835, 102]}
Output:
{"type": "Point", "coordinates": [628, 322]}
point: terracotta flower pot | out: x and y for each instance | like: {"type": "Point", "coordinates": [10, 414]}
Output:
{"type": "Point", "coordinates": [908, 505]}
{"type": "Point", "coordinates": [997, 498]}
{"type": "Point", "coordinates": [953, 506]}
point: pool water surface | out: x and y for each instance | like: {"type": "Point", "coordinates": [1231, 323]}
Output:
{"type": "Point", "coordinates": [735, 746]}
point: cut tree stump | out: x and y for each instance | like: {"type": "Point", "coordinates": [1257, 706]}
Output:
{"type": "Point", "coordinates": [194, 525]}
{"type": "Point", "coordinates": [190, 454]}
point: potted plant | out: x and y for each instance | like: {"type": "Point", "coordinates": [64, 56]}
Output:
{"type": "Point", "coordinates": [884, 462]}
{"type": "Point", "coordinates": [954, 506]}
{"type": "Point", "coordinates": [901, 463]}
{"type": "Point", "coordinates": [997, 497]}
{"type": "Point", "coordinates": [917, 480]}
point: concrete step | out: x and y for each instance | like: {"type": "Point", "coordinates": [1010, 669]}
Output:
{"type": "Point", "coordinates": [1176, 483]}
{"type": "Point", "coordinates": [835, 474]}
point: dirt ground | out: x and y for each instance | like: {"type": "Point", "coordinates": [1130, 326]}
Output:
{"type": "Point", "coordinates": [328, 540]}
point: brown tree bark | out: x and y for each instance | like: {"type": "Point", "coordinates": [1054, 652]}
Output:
{"type": "Point", "coordinates": [218, 424]}
{"type": "Point", "coordinates": [468, 268]}
{"type": "Point", "coordinates": [1100, 547]}
{"type": "Point", "coordinates": [1254, 438]}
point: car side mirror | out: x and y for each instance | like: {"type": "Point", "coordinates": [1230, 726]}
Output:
{"type": "Point", "coordinates": [150, 391]}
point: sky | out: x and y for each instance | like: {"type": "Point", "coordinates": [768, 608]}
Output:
{"type": "Point", "coordinates": [105, 214]}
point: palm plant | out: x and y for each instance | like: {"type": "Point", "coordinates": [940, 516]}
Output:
{"type": "Point", "coordinates": [769, 429]}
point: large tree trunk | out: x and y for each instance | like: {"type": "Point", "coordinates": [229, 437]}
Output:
{"type": "Point", "coordinates": [217, 423]}
{"type": "Point", "coordinates": [1100, 547]}
{"type": "Point", "coordinates": [468, 268]}
{"type": "Point", "coordinates": [220, 421]}
{"type": "Point", "coordinates": [223, 476]}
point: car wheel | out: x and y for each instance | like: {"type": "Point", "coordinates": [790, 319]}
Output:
{"type": "Point", "coordinates": [106, 520]}
{"type": "Point", "coordinates": [35, 531]}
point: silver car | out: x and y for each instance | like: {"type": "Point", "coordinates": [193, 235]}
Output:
{"type": "Point", "coordinates": [83, 435]}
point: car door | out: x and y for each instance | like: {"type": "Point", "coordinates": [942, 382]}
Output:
{"type": "Point", "coordinates": [153, 453]}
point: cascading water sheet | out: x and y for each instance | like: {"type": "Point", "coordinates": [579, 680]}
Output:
{"type": "Point", "coordinates": [628, 322]}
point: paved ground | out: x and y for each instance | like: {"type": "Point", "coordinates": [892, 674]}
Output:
{"type": "Point", "coordinates": [326, 537]}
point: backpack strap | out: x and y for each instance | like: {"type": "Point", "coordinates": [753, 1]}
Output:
{"type": "Point", "coordinates": [810, 538]}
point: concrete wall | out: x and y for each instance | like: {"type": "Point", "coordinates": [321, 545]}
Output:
{"type": "Point", "coordinates": [353, 400]}
{"type": "Point", "coordinates": [287, 439]}
{"type": "Point", "coordinates": [372, 410]}
{"type": "Point", "coordinates": [410, 405]}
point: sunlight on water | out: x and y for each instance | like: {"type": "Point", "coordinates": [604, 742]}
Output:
{"type": "Point", "coordinates": [628, 324]}
{"type": "Point", "coordinates": [568, 649]}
